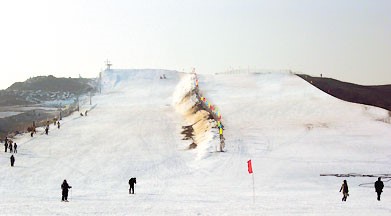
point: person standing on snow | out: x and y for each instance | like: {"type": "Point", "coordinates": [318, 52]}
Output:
{"type": "Point", "coordinates": [47, 130]}
{"type": "Point", "coordinates": [15, 147]}
{"type": "Point", "coordinates": [379, 187]}
{"type": "Point", "coordinates": [12, 158]}
{"type": "Point", "coordinates": [6, 144]}
{"type": "Point", "coordinates": [58, 124]}
{"type": "Point", "coordinates": [345, 190]}
{"type": "Point", "coordinates": [10, 145]}
{"type": "Point", "coordinates": [65, 187]}
{"type": "Point", "coordinates": [132, 181]}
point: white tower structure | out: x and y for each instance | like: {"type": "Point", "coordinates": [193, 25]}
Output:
{"type": "Point", "coordinates": [108, 64]}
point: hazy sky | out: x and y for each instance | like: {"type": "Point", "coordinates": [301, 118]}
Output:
{"type": "Point", "coordinates": [343, 39]}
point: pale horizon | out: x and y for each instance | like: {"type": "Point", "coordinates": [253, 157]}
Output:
{"type": "Point", "coordinates": [345, 40]}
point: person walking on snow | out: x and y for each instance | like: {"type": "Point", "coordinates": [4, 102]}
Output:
{"type": "Point", "coordinates": [65, 187]}
{"type": "Point", "coordinates": [47, 130]}
{"type": "Point", "coordinates": [379, 187]}
{"type": "Point", "coordinates": [58, 124]}
{"type": "Point", "coordinates": [12, 158]}
{"type": "Point", "coordinates": [15, 148]}
{"type": "Point", "coordinates": [345, 190]}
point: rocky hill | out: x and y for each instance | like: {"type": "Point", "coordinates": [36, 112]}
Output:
{"type": "Point", "coordinates": [45, 88]}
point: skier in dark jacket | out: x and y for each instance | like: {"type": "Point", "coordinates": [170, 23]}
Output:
{"type": "Point", "coordinates": [132, 181]}
{"type": "Point", "coordinates": [12, 158]}
{"type": "Point", "coordinates": [15, 148]}
{"type": "Point", "coordinates": [47, 130]}
{"type": "Point", "coordinates": [65, 188]}
{"type": "Point", "coordinates": [58, 124]}
{"type": "Point", "coordinates": [379, 187]}
{"type": "Point", "coordinates": [345, 190]}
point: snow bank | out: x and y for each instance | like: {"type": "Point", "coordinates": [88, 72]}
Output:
{"type": "Point", "coordinates": [186, 103]}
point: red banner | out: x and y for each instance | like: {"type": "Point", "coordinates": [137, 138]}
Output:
{"type": "Point", "coordinates": [250, 167]}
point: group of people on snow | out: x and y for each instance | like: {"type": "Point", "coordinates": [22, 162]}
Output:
{"type": "Point", "coordinates": [55, 122]}
{"type": "Point", "coordinates": [11, 145]}
{"type": "Point", "coordinates": [85, 113]}
{"type": "Point", "coordinates": [13, 148]}
{"type": "Point", "coordinates": [65, 188]}
{"type": "Point", "coordinates": [379, 185]}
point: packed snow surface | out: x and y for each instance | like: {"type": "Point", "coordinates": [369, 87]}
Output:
{"type": "Point", "coordinates": [290, 130]}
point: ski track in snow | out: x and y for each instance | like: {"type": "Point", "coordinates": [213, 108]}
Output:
{"type": "Point", "coordinates": [292, 132]}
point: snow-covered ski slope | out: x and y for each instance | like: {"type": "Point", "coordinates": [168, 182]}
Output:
{"type": "Point", "coordinates": [292, 132]}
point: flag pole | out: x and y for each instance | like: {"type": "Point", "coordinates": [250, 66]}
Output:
{"type": "Point", "coordinates": [253, 189]}
{"type": "Point", "coordinates": [250, 171]}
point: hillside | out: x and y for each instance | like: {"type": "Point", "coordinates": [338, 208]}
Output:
{"type": "Point", "coordinates": [39, 99]}
{"type": "Point", "coordinates": [45, 88]}
{"type": "Point", "coordinates": [53, 84]}
{"type": "Point", "coordinates": [292, 132]}
{"type": "Point", "coordinates": [379, 96]}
